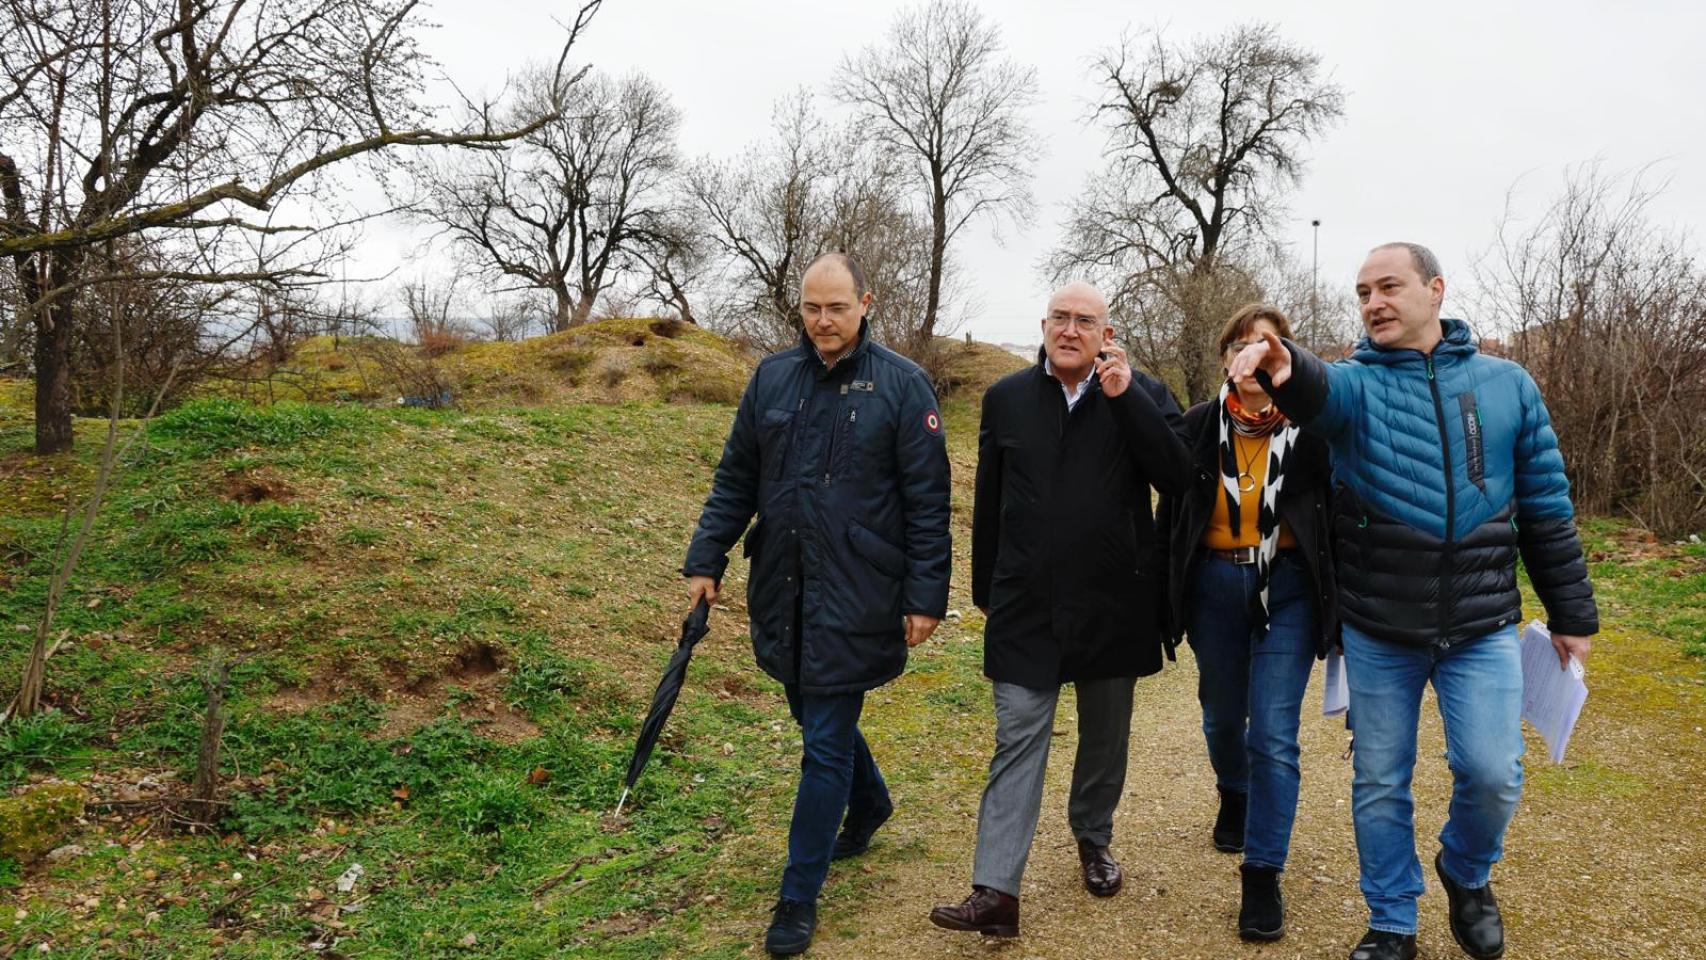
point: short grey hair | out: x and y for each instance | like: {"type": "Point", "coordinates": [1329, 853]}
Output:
{"type": "Point", "coordinates": [1421, 257]}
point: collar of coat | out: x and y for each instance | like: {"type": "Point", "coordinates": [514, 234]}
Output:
{"type": "Point", "coordinates": [848, 360]}
{"type": "Point", "coordinates": [1043, 371]}
{"type": "Point", "coordinates": [1457, 343]}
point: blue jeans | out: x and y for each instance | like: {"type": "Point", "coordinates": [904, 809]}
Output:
{"type": "Point", "coordinates": [1479, 686]}
{"type": "Point", "coordinates": [1250, 683]}
{"type": "Point", "coordinates": [838, 776]}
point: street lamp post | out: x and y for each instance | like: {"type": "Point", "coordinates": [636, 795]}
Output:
{"type": "Point", "coordinates": [1314, 274]}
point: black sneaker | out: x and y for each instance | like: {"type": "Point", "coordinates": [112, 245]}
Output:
{"type": "Point", "coordinates": [1385, 945]}
{"type": "Point", "coordinates": [1262, 914]}
{"type": "Point", "coordinates": [792, 924]}
{"type": "Point", "coordinates": [1475, 920]}
{"type": "Point", "coordinates": [855, 837]}
{"type": "Point", "coordinates": [1229, 823]}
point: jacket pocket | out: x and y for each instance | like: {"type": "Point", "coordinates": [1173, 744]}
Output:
{"type": "Point", "coordinates": [876, 551]}
{"type": "Point", "coordinates": [775, 433]}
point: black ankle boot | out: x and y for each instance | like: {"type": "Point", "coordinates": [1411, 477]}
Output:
{"type": "Point", "coordinates": [1383, 945]}
{"type": "Point", "coordinates": [1262, 915]}
{"type": "Point", "coordinates": [792, 924]}
{"type": "Point", "coordinates": [1475, 919]}
{"type": "Point", "coordinates": [1229, 823]}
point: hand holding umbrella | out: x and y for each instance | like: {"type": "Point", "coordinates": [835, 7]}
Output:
{"type": "Point", "coordinates": [693, 629]}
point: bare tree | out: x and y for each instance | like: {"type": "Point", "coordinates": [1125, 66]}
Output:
{"type": "Point", "coordinates": [868, 215]}
{"type": "Point", "coordinates": [68, 553]}
{"type": "Point", "coordinates": [765, 212]}
{"type": "Point", "coordinates": [774, 209]}
{"type": "Point", "coordinates": [676, 259]}
{"type": "Point", "coordinates": [174, 117]}
{"type": "Point", "coordinates": [1204, 142]}
{"type": "Point", "coordinates": [1327, 321]}
{"type": "Point", "coordinates": [169, 345]}
{"type": "Point", "coordinates": [432, 311]}
{"type": "Point", "coordinates": [14, 326]}
{"type": "Point", "coordinates": [513, 317]}
{"type": "Point", "coordinates": [1608, 312]}
{"type": "Point", "coordinates": [566, 208]}
{"type": "Point", "coordinates": [939, 95]}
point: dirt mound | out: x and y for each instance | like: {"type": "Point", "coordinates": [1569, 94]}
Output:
{"type": "Point", "coordinates": [608, 361]}
{"type": "Point", "coordinates": [967, 368]}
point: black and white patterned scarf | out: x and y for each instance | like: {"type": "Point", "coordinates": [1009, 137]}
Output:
{"type": "Point", "coordinates": [1282, 437]}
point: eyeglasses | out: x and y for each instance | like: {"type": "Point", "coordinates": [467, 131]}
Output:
{"type": "Point", "coordinates": [1084, 322]}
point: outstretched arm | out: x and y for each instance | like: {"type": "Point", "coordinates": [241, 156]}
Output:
{"type": "Point", "coordinates": [1319, 397]}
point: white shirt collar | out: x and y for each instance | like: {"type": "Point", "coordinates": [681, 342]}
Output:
{"type": "Point", "coordinates": [1073, 394]}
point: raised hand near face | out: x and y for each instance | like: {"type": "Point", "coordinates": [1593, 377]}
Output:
{"type": "Point", "coordinates": [1267, 354]}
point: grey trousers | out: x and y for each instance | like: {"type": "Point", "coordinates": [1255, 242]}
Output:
{"type": "Point", "coordinates": [1013, 797]}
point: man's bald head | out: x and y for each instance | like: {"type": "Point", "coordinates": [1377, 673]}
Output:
{"type": "Point", "coordinates": [1080, 297]}
{"type": "Point", "coordinates": [835, 262]}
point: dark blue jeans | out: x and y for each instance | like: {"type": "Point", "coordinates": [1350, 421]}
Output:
{"type": "Point", "coordinates": [838, 776]}
{"type": "Point", "coordinates": [1250, 683]}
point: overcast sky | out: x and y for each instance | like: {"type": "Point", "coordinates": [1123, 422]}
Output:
{"type": "Point", "coordinates": [1449, 105]}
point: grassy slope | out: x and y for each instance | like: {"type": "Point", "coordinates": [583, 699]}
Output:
{"type": "Point", "coordinates": [389, 561]}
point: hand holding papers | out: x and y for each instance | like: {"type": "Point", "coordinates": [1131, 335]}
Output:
{"type": "Point", "coordinates": [1552, 698]}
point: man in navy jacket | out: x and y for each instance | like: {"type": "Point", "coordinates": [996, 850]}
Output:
{"type": "Point", "coordinates": [837, 446]}
{"type": "Point", "coordinates": [1446, 469]}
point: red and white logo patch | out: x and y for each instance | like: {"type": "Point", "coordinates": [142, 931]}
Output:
{"type": "Point", "coordinates": [933, 423]}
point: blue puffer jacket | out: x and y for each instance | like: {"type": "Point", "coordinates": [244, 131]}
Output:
{"type": "Point", "coordinates": [847, 471]}
{"type": "Point", "coordinates": [1446, 467]}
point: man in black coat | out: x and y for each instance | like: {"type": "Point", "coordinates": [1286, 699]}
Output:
{"type": "Point", "coordinates": [1064, 568]}
{"type": "Point", "coordinates": [837, 447]}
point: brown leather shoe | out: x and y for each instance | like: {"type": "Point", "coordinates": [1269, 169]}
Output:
{"type": "Point", "coordinates": [1102, 875]}
{"type": "Point", "coordinates": [989, 912]}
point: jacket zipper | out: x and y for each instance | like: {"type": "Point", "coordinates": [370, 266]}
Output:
{"type": "Point", "coordinates": [835, 435]}
{"type": "Point", "coordinates": [1450, 511]}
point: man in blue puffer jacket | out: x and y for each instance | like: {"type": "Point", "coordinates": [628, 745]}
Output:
{"type": "Point", "coordinates": [837, 447]}
{"type": "Point", "coordinates": [1446, 469]}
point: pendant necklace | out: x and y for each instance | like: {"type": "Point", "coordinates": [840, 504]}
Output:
{"type": "Point", "coordinates": [1245, 474]}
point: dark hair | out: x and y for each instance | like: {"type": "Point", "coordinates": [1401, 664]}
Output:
{"type": "Point", "coordinates": [1421, 257]}
{"type": "Point", "coordinates": [1242, 322]}
{"type": "Point", "coordinates": [860, 285]}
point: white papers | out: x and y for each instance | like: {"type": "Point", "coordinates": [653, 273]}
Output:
{"type": "Point", "coordinates": [1336, 697]}
{"type": "Point", "coordinates": [1552, 698]}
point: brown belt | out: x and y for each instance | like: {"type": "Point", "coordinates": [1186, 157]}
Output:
{"type": "Point", "coordinates": [1242, 556]}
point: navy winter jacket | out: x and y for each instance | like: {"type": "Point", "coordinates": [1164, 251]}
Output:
{"type": "Point", "coordinates": [847, 471]}
{"type": "Point", "coordinates": [1445, 466]}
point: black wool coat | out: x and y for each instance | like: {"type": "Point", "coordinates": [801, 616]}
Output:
{"type": "Point", "coordinates": [1305, 504]}
{"type": "Point", "coordinates": [1063, 539]}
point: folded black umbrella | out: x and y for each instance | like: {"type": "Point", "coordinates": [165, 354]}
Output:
{"type": "Point", "coordinates": [669, 688]}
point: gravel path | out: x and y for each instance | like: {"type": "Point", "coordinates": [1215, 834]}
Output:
{"type": "Point", "coordinates": [1605, 858]}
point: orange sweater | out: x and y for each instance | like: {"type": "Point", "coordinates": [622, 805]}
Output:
{"type": "Point", "coordinates": [1254, 451]}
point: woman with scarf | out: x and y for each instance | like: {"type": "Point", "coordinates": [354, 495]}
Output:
{"type": "Point", "coordinates": [1250, 583]}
